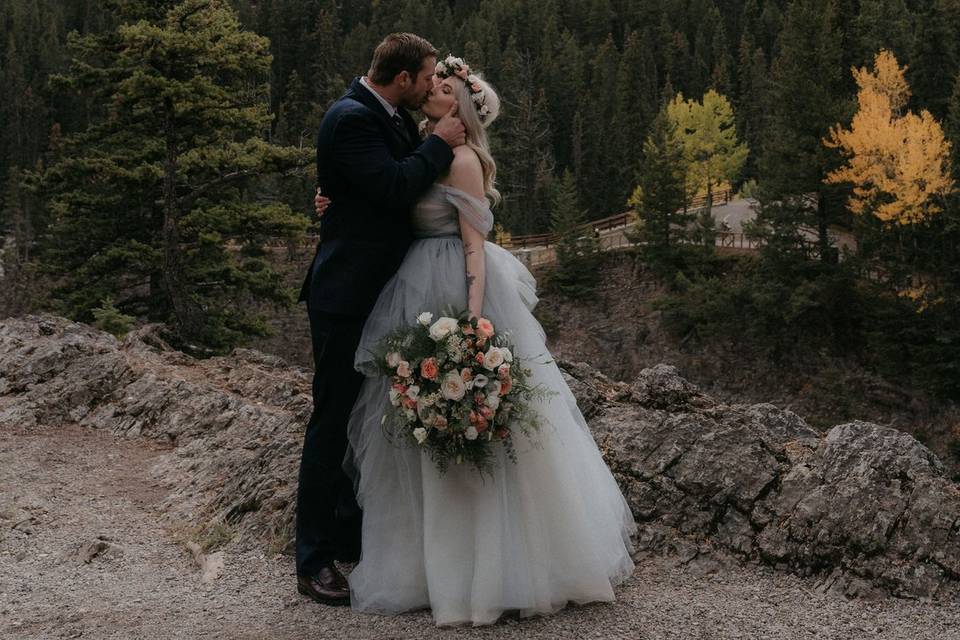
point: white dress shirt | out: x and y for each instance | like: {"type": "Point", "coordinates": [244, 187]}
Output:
{"type": "Point", "coordinates": [391, 110]}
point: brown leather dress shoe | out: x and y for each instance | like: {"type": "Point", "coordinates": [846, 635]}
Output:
{"type": "Point", "coordinates": [327, 586]}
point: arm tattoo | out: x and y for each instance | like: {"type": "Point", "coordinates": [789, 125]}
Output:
{"type": "Point", "coordinates": [470, 279]}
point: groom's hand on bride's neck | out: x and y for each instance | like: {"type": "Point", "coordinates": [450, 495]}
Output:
{"type": "Point", "coordinates": [450, 128]}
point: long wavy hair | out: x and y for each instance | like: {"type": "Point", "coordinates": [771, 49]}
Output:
{"type": "Point", "coordinates": [476, 130]}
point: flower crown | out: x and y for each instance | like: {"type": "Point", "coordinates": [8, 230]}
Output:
{"type": "Point", "coordinates": [453, 66]}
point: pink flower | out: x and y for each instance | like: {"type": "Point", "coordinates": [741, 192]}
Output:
{"type": "Point", "coordinates": [478, 421]}
{"type": "Point", "coordinates": [403, 369]}
{"type": "Point", "coordinates": [466, 374]}
{"type": "Point", "coordinates": [429, 369]}
{"type": "Point", "coordinates": [484, 328]}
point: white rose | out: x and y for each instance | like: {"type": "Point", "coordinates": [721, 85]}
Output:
{"type": "Point", "coordinates": [493, 358]}
{"type": "Point", "coordinates": [493, 388]}
{"type": "Point", "coordinates": [453, 386]}
{"type": "Point", "coordinates": [470, 433]}
{"type": "Point", "coordinates": [425, 318]}
{"type": "Point", "coordinates": [442, 328]}
{"type": "Point", "coordinates": [480, 381]}
{"type": "Point", "coordinates": [507, 356]}
{"type": "Point", "coordinates": [403, 369]}
{"type": "Point", "coordinates": [493, 401]}
{"type": "Point", "coordinates": [420, 434]}
{"type": "Point", "coordinates": [393, 359]}
{"type": "Point", "coordinates": [413, 391]}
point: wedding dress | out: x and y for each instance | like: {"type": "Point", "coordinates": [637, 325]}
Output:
{"type": "Point", "coordinates": [550, 529]}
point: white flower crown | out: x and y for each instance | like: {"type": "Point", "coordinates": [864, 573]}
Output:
{"type": "Point", "coordinates": [454, 66]}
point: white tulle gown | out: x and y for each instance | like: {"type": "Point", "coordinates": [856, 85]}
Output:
{"type": "Point", "coordinates": [551, 529]}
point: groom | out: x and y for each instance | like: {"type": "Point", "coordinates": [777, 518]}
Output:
{"type": "Point", "coordinates": [372, 165]}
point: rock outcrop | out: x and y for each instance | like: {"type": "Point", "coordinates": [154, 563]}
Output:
{"type": "Point", "coordinates": [865, 508]}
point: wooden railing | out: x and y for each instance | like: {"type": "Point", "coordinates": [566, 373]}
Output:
{"type": "Point", "coordinates": [605, 224]}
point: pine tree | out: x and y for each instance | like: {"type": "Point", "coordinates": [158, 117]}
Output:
{"type": "Point", "coordinates": [153, 203]}
{"type": "Point", "coordinates": [933, 59]}
{"type": "Point", "coordinates": [578, 249]}
{"type": "Point", "coordinates": [563, 82]}
{"type": "Point", "coordinates": [635, 108]}
{"type": "Point", "coordinates": [597, 177]}
{"type": "Point", "coordinates": [660, 197]}
{"type": "Point", "coordinates": [522, 146]}
{"type": "Point", "coordinates": [803, 100]}
{"type": "Point", "coordinates": [882, 24]}
{"type": "Point", "coordinates": [951, 127]}
{"type": "Point", "coordinates": [750, 100]}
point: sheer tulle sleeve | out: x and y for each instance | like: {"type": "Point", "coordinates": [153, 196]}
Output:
{"type": "Point", "coordinates": [475, 210]}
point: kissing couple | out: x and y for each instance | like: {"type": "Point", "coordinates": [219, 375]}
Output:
{"type": "Point", "coordinates": [406, 212]}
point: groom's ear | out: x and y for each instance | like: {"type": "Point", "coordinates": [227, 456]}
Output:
{"type": "Point", "coordinates": [403, 79]}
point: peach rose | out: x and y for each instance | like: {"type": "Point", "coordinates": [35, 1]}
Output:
{"type": "Point", "coordinates": [484, 328]}
{"type": "Point", "coordinates": [429, 369]}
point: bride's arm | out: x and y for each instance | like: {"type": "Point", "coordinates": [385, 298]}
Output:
{"type": "Point", "coordinates": [467, 175]}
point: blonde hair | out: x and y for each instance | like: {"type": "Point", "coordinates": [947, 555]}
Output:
{"type": "Point", "coordinates": [477, 130]}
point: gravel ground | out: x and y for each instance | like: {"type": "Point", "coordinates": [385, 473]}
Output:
{"type": "Point", "coordinates": [84, 554]}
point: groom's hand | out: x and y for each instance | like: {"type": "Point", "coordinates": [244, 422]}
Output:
{"type": "Point", "coordinates": [450, 128]}
{"type": "Point", "coordinates": [320, 204]}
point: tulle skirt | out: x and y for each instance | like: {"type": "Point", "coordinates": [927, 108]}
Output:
{"type": "Point", "coordinates": [550, 529]}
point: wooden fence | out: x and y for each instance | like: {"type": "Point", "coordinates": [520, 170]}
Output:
{"type": "Point", "coordinates": [603, 224]}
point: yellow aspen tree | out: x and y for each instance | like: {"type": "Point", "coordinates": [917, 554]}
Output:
{"type": "Point", "coordinates": [708, 134]}
{"type": "Point", "coordinates": [898, 164]}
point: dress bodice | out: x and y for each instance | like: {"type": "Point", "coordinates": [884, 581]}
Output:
{"type": "Point", "coordinates": [437, 212]}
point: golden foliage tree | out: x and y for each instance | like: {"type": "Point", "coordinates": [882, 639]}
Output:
{"type": "Point", "coordinates": [708, 135]}
{"type": "Point", "coordinates": [897, 162]}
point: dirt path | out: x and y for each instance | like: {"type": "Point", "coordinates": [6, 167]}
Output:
{"type": "Point", "coordinates": [83, 554]}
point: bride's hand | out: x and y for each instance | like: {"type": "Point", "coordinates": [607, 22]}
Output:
{"type": "Point", "coordinates": [320, 203]}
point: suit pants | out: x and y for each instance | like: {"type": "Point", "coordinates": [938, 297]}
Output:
{"type": "Point", "coordinates": [328, 519]}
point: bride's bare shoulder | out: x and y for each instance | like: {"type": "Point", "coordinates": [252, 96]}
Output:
{"type": "Point", "coordinates": [465, 170]}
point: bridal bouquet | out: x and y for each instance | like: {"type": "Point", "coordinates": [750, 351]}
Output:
{"type": "Point", "coordinates": [457, 389]}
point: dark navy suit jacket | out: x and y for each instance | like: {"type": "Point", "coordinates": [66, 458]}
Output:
{"type": "Point", "coordinates": [373, 171]}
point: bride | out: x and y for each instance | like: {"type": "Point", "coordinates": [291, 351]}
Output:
{"type": "Point", "coordinates": [550, 529]}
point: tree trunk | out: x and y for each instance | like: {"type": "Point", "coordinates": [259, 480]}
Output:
{"type": "Point", "coordinates": [822, 236]}
{"type": "Point", "coordinates": [187, 318]}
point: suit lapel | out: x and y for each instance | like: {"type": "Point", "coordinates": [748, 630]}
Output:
{"type": "Point", "coordinates": [363, 95]}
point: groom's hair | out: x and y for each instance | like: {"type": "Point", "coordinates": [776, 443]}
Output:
{"type": "Point", "coordinates": [399, 52]}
